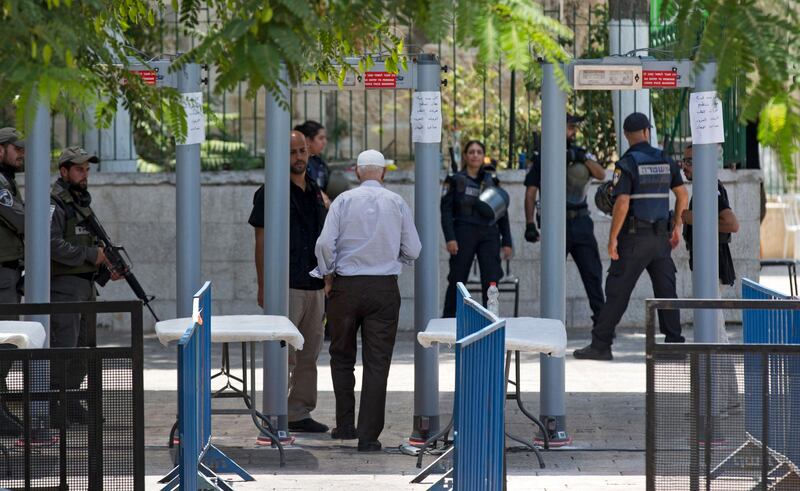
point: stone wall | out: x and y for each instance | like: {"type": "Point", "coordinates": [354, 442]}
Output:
{"type": "Point", "coordinates": [138, 211]}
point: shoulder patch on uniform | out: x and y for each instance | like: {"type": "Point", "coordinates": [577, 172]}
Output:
{"type": "Point", "coordinates": [617, 174]}
{"type": "Point", "coordinates": [6, 199]}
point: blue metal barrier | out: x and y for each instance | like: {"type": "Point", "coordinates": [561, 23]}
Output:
{"type": "Point", "coordinates": [198, 460]}
{"type": "Point", "coordinates": [478, 419]}
{"type": "Point", "coordinates": [772, 327]}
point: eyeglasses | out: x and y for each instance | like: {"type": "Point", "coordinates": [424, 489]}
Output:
{"type": "Point", "coordinates": [687, 161]}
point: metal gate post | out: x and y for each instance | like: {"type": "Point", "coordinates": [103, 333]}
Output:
{"type": "Point", "coordinates": [276, 253]}
{"type": "Point", "coordinates": [705, 243]}
{"type": "Point", "coordinates": [427, 170]}
{"type": "Point", "coordinates": [188, 225]}
{"type": "Point", "coordinates": [553, 260]}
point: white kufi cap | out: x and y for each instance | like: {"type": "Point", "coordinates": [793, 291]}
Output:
{"type": "Point", "coordinates": [371, 157]}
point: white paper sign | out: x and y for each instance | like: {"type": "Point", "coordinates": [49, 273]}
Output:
{"type": "Point", "coordinates": [426, 117]}
{"type": "Point", "coordinates": [705, 117]}
{"type": "Point", "coordinates": [195, 118]}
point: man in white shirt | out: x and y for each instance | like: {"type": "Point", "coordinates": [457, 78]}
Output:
{"type": "Point", "coordinates": [368, 235]}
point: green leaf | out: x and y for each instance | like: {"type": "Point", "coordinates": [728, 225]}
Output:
{"type": "Point", "coordinates": [47, 54]}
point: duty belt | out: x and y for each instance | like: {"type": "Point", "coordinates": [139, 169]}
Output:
{"type": "Point", "coordinates": [581, 212]}
{"type": "Point", "coordinates": [636, 226]}
{"type": "Point", "coordinates": [16, 264]}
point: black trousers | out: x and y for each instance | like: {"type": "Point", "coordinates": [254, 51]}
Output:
{"type": "Point", "coordinates": [473, 239]}
{"type": "Point", "coordinates": [371, 304]}
{"type": "Point", "coordinates": [637, 253]}
{"type": "Point", "coordinates": [71, 330]}
{"type": "Point", "coordinates": [582, 245]}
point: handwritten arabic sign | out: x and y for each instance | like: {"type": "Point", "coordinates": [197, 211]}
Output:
{"type": "Point", "coordinates": [426, 117]}
{"type": "Point", "coordinates": [705, 117]}
{"type": "Point", "coordinates": [195, 118]}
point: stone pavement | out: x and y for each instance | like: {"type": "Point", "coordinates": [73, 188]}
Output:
{"type": "Point", "coordinates": [605, 414]}
{"type": "Point", "coordinates": [605, 411]}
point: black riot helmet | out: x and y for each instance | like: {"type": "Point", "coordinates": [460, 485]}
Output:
{"type": "Point", "coordinates": [603, 198]}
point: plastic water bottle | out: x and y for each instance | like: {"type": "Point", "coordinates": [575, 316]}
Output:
{"type": "Point", "coordinates": [493, 299]}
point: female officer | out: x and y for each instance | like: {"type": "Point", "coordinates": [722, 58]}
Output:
{"type": "Point", "coordinates": [467, 231]}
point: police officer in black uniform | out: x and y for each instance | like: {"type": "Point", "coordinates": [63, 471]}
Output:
{"type": "Point", "coordinates": [642, 235]}
{"type": "Point", "coordinates": [581, 243]}
{"type": "Point", "coordinates": [467, 231]}
{"type": "Point", "coordinates": [728, 224]}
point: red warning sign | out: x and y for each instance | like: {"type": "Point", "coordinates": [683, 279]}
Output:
{"type": "Point", "coordinates": [659, 79]}
{"type": "Point", "coordinates": [380, 80]}
{"type": "Point", "coordinates": [148, 76]}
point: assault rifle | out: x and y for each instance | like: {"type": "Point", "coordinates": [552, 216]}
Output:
{"type": "Point", "coordinates": [119, 262]}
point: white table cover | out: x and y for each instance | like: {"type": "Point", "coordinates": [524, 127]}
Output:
{"type": "Point", "coordinates": [236, 329]}
{"type": "Point", "coordinates": [527, 334]}
{"type": "Point", "coordinates": [22, 334]}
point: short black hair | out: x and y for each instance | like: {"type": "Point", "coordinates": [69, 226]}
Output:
{"type": "Point", "coordinates": [309, 129]}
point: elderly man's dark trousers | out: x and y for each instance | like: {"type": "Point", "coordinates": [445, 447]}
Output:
{"type": "Point", "coordinates": [638, 252]}
{"type": "Point", "coordinates": [372, 304]}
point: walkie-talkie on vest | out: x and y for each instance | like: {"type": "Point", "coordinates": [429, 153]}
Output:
{"type": "Point", "coordinates": [119, 261]}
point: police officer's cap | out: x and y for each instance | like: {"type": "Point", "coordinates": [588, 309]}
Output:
{"type": "Point", "coordinates": [574, 119]}
{"type": "Point", "coordinates": [10, 135]}
{"type": "Point", "coordinates": [76, 155]}
{"type": "Point", "coordinates": [636, 122]}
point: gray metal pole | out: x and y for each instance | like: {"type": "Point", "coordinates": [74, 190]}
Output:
{"type": "Point", "coordinates": [187, 206]}
{"type": "Point", "coordinates": [705, 240]}
{"type": "Point", "coordinates": [427, 170]}
{"type": "Point", "coordinates": [37, 211]}
{"type": "Point", "coordinates": [276, 253]}
{"type": "Point", "coordinates": [554, 230]}
{"type": "Point", "coordinates": [37, 237]}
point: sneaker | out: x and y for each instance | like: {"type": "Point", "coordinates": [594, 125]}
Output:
{"type": "Point", "coordinates": [369, 446]}
{"type": "Point", "coordinates": [307, 425]}
{"type": "Point", "coordinates": [347, 432]}
{"type": "Point", "coordinates": [592, 352]}
{"type": "Point", "coordinates": [265, 441]}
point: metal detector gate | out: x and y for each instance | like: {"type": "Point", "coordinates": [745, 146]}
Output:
{"type": "Point", "coordinates": [615, 73]}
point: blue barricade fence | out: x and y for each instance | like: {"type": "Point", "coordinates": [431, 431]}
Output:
{"type": "Point", "coordinates": [772, 327]}
{"type": "Point", "coordinates": [198, 460]}
{"type": "Point", "coordinates": [478, 419]}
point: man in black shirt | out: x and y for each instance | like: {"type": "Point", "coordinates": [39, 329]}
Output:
{"type": "Point", "coordinates": [306, 297]}
{"type": "Point", "coordinates": [582, 167]}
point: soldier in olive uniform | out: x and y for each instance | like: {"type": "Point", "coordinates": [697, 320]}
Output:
{"type": "Point", "coordinates": [12, 215]}
{"type": "Point", "coordinates": [75, 261]}
{"type": "Point", "coordinates": [12, 248]}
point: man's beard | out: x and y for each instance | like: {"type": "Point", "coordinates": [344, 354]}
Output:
{"type": "Point", "coordinates": [79, 186]}
{"type": "Point", "coordinates": [296, 169]}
